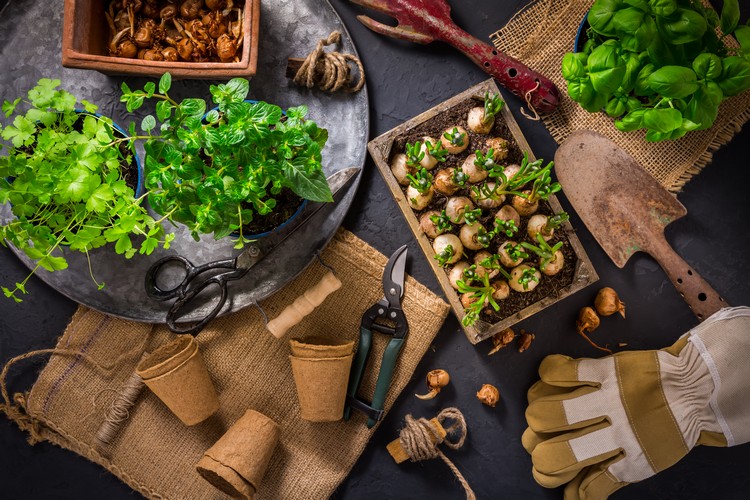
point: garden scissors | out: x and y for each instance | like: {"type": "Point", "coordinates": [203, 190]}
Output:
{"type": "Point", "coordinates": [386, 310]}
{"type": "Point", "coordinates": [191, 287]}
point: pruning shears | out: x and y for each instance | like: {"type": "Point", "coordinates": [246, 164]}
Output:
{"type": "Point", "coordinates": [386, 316]}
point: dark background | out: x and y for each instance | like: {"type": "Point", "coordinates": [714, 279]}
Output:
{"type": "Point", "coordinates": [404, 80]}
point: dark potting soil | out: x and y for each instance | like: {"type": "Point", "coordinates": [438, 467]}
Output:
{"type": "Point", "coordinates": [287, 204]}
{"type": "Point", "coordinates": [549, 286]}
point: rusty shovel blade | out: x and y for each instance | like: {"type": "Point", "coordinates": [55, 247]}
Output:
{"type": "Point", "coordinates": [626, 210]}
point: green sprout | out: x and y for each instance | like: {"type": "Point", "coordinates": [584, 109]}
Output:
{"type": "Point", "coordinates": [414, 154]}
{"type": "Point", "coordinates": [492, 106]}
{"type": "Point", "coordinates": [484, 237]}
{"type": "Point", "coordinates": [459, 177]}
{"type": "Point", "coordinates": [446, 255]}
{"type": "Point", "coordinates": [516, 252]}
{"type": "Point", "coordinates": [437, 151]}
{"type": "Point", "coordinates": [481, 291]}
{"type": "Point", "coordinates": [455, 137]}
{"type": "Point", "coordinates": [472, 216]}
{"type": "Point", "coordinates": [421, 181]}
{"type": "Point", "coordinates": [506, 226]}
{"type": "Point", "coordinates": [442, 222]}
{"type": "Point", "coordinates": [528, 275]}
{"type": "Point", "coordinates": [485, 161]}
{"type": "Point", "coordinates": [545, 252]}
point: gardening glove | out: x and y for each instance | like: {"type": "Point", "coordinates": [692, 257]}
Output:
{"type": "Point", "coordinates": [600, 424]}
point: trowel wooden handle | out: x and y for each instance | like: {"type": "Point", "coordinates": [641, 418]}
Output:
{"type": "Point", "coordinates": [702, 299]}
{"type": "Point", "coordinates": [303, 305]}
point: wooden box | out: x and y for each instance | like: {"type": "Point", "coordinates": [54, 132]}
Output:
{"type": "Point", "coordinates": [381, 148]}
{"type": "Point", "coordinates": [86, 36]}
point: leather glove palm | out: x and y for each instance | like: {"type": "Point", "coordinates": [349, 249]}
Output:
{"type": "Point", "coordinates": [601, 424]}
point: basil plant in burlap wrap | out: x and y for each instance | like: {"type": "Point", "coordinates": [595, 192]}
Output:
{"type": "Point", "coordinates": [659, 64]}
{"type": "Point", "coordinates": [600, 424]}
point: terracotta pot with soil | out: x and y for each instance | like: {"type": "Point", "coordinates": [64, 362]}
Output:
{"type": "Point", "coordinates": [153, 37]}
{"type": "Point", "coordinates": [485, 215]}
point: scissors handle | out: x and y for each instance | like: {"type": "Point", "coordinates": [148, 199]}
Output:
{"type": "Point", "coordinates": [193, 328]}
{"type": "Point", "coordinates": [156, 292]}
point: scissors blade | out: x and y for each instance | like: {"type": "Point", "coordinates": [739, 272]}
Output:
{"type": "Point", "coordinates": [256, 251]}
{"type": "Point", "coordinates": [393, 277]}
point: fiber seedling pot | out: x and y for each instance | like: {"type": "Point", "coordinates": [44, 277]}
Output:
{"type": "Point", "coordinates": [321, 374]}
{"type": "Point", "coordinates": [578, 269]}
{"type": "Point", "coordinates": [239, 459]}
{"type": "Point", "coordinates": [176, 373]}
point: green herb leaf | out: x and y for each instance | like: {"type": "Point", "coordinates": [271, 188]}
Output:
{"type": "Point", "coordinates": [165, 83]}
{"type": "Point", "coordinates": [97, 201]}
{"type": "Point", "coordinates": [662, 120]}
{"type": "Point", "coordinates": [312, 186]}
{"type": "Point", "coordinates": [193, 107]}
{"type": "Point", "coordinates": [163, 110]}
{"type": "Point", "coordinates": [735, 76]}
{"type": "Point", "coordinates": [730, 16]}
{"type": "Point", "coordinates": [574, 65]}
{"type": "Point", "coordinates": [52, 263]}
{"type": "Point", "coordinates": [663, 7]}
{"type": "Point", "coordinates": [684, 26]}
{"type": "Point", "coordinates": [10, 107]}
{"type": "Point", "coordinates": [707, 66]}
{"type": "Point", "coordinates": [631, 121]}
{"type": "Point", "coordinates": [148, 123]}
{"type": "Point", "coordinates": [742, 34]}
{"type": "Point", "coordinates": [601, 16]}
{"type": "Point", "coordinates": [673, 81]}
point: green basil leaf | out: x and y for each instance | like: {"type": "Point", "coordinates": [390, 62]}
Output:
{"type": "Point", "coordinates": [742, 34]}
{"type": "Point", "coordinates": [663, 7]}
{"type": "Point", "coordinates": [641, 82]}
{"type": "Point", "coordinates": [574, 66]}
{"type": "Point", "coordinates": [643, 36]}
{"type": "Point", "coordinates": [607, 81]}
{"type": "Point", "coordinates": [662, 120]}
{"type": "Point", "coordinates": [601, 16]}
{"type": "Point", "coordinates": [683, 26]}
{"type": "Point", "coordinates": [605, 56]}
{"type": "Point", "coordinates": [165, 83]}
{"type": "Point", "coordinates": [631, 121]}
{"type": "Point", "coordinates": [632, 68]}
{"type": "Point", "coordinates": [735, 76]}
{"type": "Point", "coordinates": [628, 20]}
{"type": "Point", "coordinates": [581, 91]}
{"type": "Point", "coordinates": [616, 106]}
{"type": "Point", "coordinates": [663, 53]}
{"type": "Point", "coordinates": [703, 107]}
{"type": "Point", "coordinates": [673, 81]}
{"type": "Point", "coordinates": [639, 4]}
{"type": "Point", "coordinates": [707, 66]}
{"type": "Point", "coordinates": [596, 104]}
{"type": "Point", "coordinates": [730, 16]}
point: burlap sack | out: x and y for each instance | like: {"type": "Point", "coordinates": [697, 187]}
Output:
{"type": "Point", "coordinates": [540, 36]}
{"type": "Point", "coordinates": [156, 454]}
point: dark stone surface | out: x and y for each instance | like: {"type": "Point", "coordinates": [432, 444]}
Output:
{"type": "Point", "coordinates": [404, 80]}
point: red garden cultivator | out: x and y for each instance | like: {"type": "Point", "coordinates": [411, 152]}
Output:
{"type": "Point", "coordinates": [424, 21]}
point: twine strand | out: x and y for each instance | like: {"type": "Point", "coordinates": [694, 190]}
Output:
{"type": "Point", "coordinates": [119, 410]}
{"type": "Point", "coordinates": [329, 71]}
{"type": "Point", "coordinates": [420, 441]}
{"type": "Point", "coordinates": [531, 106]}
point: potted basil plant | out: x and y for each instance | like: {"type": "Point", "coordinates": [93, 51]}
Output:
{"type": "Point", "coordinates": [70, 177]}
{"type": "Point", "coordinates": [659, 65]}
{"type": "Point", "coordinates": [241, 168]}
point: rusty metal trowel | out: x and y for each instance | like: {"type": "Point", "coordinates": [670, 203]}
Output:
{"type": "Point", "coordinates": [627, 210]}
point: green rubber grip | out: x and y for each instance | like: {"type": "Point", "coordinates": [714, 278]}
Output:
{"type": "Point", "coordinates": [390, 357]}
{"type": "Point", "coordinates": [358, 368]}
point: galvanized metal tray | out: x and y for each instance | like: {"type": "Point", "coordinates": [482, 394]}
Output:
{"type": "Point", "coordinates": [30, 41]}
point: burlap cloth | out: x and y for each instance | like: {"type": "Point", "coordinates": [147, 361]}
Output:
{"type": "Point", "coordinates": [156, 454]}
{"type": "Point", "coordinates": [540, 36]}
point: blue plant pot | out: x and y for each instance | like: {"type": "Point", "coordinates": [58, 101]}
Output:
{"type": "Point", "coordinates": [139, 189]}
{"type": "Point", "coordinates": [581, 33]}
